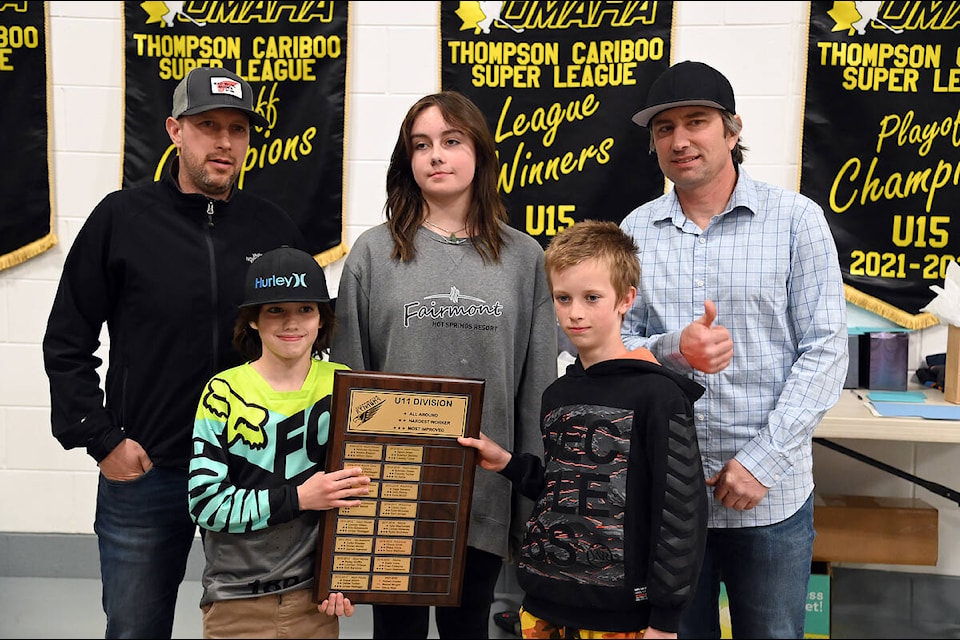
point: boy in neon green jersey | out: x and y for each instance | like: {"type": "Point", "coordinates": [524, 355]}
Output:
{"type": "Point", "coordinates": [257, 482]}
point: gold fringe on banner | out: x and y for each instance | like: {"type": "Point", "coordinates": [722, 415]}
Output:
{"type": "Point", "coordinates": [331, 255]}
{"type": "Point", "coordinates": [27, 251]}
{"type": "Point", "coordinates": [888, 311]}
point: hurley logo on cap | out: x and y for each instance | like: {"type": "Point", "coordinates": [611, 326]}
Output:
{"type": "Point", "coordinates": [220, 85]}
{"type": "Point", "coordinates": [292, 281]}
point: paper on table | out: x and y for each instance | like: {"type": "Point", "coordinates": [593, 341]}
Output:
{"type": "Point", "coordinates": [917, 410]}
{"type": "Point", "coordinates": [897, 396]}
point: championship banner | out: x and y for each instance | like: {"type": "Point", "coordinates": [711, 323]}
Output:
{"type": "Point", "coordinates": [881, 147]}
{"type": "Point", "coordinates": [293, 54]}
{"type": "Point", "coordinates": [26, 198]}
{"type": "Point", "coordinates": [559, 82]}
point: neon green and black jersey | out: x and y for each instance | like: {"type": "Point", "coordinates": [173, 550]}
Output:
{"type": "Point", "coordinates": [252, 447]}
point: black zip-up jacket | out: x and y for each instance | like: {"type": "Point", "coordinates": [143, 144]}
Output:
{"type": "Point", "coordinates": [616, 538]}
{"type": "Point", "coordinates": [165, 271]}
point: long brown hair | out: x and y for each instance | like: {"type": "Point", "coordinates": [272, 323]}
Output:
{"type": "Point", "coordinates": [405, 203]}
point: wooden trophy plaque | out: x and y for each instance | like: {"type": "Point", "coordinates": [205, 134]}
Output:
{"type": "Point", "coordinates": [405, 543]}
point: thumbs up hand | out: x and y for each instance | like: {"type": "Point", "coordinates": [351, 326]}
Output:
{"type": "Point", "coordinates": [707, 347]}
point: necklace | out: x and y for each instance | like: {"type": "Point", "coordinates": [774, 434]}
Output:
{"type": "Point", "coordinates": [451, 235]}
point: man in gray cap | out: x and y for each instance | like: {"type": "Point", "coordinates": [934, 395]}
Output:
{"type": "Point", "coordinates": [764, 258]}
{"type": "Point", "coordinates": [163, 265]}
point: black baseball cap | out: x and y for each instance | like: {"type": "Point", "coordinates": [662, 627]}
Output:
{"type": "Point", "coordinates": [687, 84]}
{"type": "Point", "coordinates": [206, 88]}
{"type": "Point", "coordinates": [284, 275]}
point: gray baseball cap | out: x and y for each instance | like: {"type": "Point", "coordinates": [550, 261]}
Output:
{"type": "Point", "coordinates": [206, 88]}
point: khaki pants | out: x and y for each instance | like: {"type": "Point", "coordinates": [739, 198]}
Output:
{"type": "Point", "coordinates": [291, 614]}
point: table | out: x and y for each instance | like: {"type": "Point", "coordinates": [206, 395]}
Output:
{"type": "Point", "coordinates": [861, 529]}
{"type": "Point", "coordinates": [850, 418]}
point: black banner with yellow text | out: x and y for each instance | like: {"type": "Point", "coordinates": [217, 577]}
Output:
{"type": "Point", "coordinates": [26, 197]}
{"type": "Point", "coordinates": [293, 54]}
{"type": "Point", "coordinates": [559, 82]}
{"type": "Point", "coordinates": [881, 147]}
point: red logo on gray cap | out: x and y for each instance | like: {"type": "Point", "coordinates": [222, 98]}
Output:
{"type": "Point", "coordinates": [222, 85]}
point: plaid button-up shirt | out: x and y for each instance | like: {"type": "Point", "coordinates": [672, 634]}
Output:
{"type": "Point", "coordinates": [769, 262]}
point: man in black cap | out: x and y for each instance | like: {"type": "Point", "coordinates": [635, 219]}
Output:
{"type": "Point", "coordinates": [764, 258]}
{"type": "Point", "coordinates": [163, 266]}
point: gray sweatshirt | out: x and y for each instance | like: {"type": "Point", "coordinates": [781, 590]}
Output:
{"type": "Point", "coordinates": [447, 313]}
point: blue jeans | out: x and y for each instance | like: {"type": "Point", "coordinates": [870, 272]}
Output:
{"type": "Point", "coordinates": [145, 533]}
{"type": "Point", "coordinates": [766, 571]}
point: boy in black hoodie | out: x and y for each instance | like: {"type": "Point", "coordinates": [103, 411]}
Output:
{"type": "Point", "coordinates": [614, 544]}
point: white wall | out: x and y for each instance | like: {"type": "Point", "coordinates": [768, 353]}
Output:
{"type": "Point", "coordinates": [760, 46]}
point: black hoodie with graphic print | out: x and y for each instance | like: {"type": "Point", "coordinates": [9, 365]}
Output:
{"type": "Point", "coordinates": [616, 538]}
